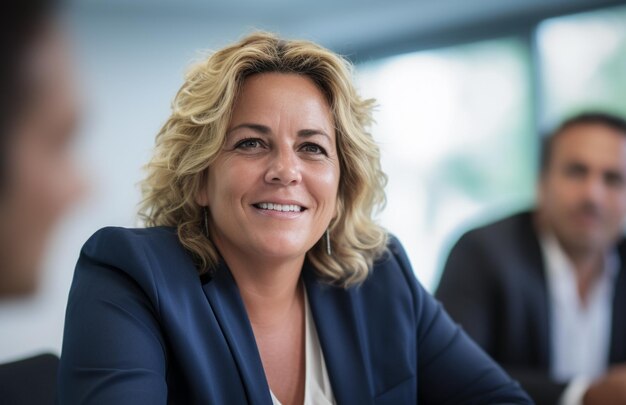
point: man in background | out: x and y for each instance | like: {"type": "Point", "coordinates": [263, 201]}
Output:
{"type": "Point", "coordinates": [38, 180]}
{"type": "Point", "coordinates": [544, 291]}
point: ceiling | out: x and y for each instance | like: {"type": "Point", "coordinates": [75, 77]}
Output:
{"type": "Point", "coordinates": [359, 28]}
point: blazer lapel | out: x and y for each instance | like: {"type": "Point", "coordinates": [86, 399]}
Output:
{"type": "Point", "coordinates": [532, 259]}
{"type": "Point", "coordinates": [342, 344]}
{"type": "Point", "coordinates": [223, 295]}
{"type": "Point", "coordinates": [618, 326]}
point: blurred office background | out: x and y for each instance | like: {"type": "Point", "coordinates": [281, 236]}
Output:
{"type": "Point", "coordinates": [464, 90]}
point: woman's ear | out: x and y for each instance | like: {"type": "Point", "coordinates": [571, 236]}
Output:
{"type": "Point", "coordinates": [201, 197]}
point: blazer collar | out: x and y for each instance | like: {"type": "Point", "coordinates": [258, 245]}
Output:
{"type": "Point", "coordinates": [531, 257]}
{"type": "Point", "coordinates": [618, 326]}
{"type": "Point", "coordinates": [223, 295]}
{"type": "Point", "coordinates": [338, 328]}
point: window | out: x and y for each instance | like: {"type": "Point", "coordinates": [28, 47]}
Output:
{"type": "Point", "coordinates": [456, 134]}
{"type": "Point", "coordinates": [582, 60]}
{"type": "Point", "coordinates": [457, 128]}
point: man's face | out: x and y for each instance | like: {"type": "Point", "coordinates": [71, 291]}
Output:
{"type": "Point", "coordinates": [582, 193]}
{"type": "Point", "coordinates": [41, 181]}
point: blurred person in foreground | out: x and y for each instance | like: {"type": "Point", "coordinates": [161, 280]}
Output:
{"type": "Point", "coordinates": [38, 181]}
{"type": "Point", "coordinates": [544, 291]}
{"type": "Point", "coordinates": [263, 277]}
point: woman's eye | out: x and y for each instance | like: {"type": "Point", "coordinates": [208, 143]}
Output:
{"type": "Point", "coordinates": [313, 149]}
{"type": "Point", "coordinates": [248, 144]}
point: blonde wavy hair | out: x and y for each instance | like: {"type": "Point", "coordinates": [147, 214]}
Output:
{"type": "Point", "coordinates": [191, 139]}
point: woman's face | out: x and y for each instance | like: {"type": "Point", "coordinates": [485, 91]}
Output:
{"type": "Point", "coordinates": [41, 180]}
{"type": "Point", "coordinates": [272, 191]}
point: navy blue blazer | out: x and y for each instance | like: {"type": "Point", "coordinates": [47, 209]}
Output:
{"type": "Point", "coordinates": [143, 328]}
{"type": "Point", "coordinates": [494, 285]}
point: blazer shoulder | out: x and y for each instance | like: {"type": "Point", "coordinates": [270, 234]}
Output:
{"type": "Point", "coordinates": [393, 256]}
{"type": "Point", "coordinates": [134, 235]}
{"type": "Point", "coordinates": [490, 252]}
{"type": "Point", "coordinates": [508, 230]}
{"type": "Point", "coordinates": [392, 271]}
{"type": "Point", "coordinates": [126, 241]}
{"type": "Point", "coordinates": [144, 254]}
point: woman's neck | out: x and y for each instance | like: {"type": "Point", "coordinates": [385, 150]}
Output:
{"type": "Point", "coordinates": [269, 289]}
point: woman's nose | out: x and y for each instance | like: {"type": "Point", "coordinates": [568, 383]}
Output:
{"type": "Point", "coordinates": [284, 168]}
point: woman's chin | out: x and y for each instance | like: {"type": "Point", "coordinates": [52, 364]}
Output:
{"type": "Point", "coordinates": [282, 249]}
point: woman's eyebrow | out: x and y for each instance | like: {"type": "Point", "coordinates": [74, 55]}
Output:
{"type": "Point", "coordinates": [306, 133]}
{"type": "Point", "coordinates": [255, 127]}
{"type": "Point", "coordinates": [265, 130]}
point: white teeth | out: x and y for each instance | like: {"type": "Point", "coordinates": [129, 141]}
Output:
{"type": "Point", "coordinates": [279, 207]}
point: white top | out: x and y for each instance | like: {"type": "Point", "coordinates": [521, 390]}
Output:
{"type": "Point", "coordinates": [317, 389]}
{"type": "Point", "coordinates": [580, 334]}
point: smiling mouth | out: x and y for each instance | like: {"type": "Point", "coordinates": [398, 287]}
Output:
{"type": "Point", "coordinates": [279, 207]}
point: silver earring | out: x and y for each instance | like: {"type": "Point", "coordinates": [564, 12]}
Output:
{"type": "Point", "coordinates": [329, 251]}
{"type": "Point", "coordinates": [206, 222]}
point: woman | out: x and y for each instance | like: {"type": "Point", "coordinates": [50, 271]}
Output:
{"type": "Point", "coordinates": [264, 278]}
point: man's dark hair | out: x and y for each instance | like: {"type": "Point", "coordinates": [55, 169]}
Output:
{"type": "Point", "coordinates": [611, 121]}
{"type": "Point", "coordinates": [20, 23]}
